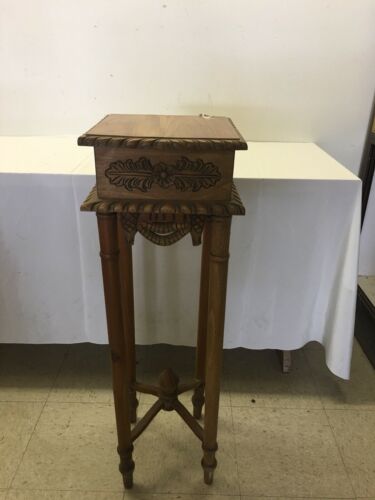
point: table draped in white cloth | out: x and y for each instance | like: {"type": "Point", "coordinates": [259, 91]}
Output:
{"type": "Point", "coordinates": [292, 272]}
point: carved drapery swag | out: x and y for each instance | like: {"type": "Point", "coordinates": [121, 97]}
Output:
{"type": "Point", "coordinates": [162, 232]}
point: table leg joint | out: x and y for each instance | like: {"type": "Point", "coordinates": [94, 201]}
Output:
{"type": "Point", "coordinates": [188, 418]}
{"type": "Point", "coordinates": [146, 388]}
{"type": "Point", "coordinates": [146, 420]}
{"type": "Point", "coordinates": [167, 393]}
{"type": "Point", "coordinates": [189, 386]}
{"type": "Point", "coordinates": [198, 400]}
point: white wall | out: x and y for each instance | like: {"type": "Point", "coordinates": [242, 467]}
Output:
{"type": "Point", "coordinates": [284, 70]}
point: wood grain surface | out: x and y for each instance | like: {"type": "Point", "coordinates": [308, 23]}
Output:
{"type": "Point", "coordinates": [155, 175]}
{"type": "Point", "coordinates": [165, 132]}
{"type": "Point", "coordinates": [166, 126]}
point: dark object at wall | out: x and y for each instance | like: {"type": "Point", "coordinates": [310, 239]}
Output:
{"type": "Point", "coordinates": [365, 314]}
{"type": "Point", "coordinates": [366, 170]}
{"type": "Point", "coordinates": [365, 325]}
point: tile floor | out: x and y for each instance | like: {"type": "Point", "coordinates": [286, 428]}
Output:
{"type": "Point", "coordinates": [307, 434]}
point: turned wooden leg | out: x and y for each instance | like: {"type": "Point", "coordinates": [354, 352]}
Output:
{"type": "Point", "coordinates": [127, 293]}
{"type": "Point", "coordinates": [200, 359]}
{"type": "Point", "coordinates": [218, 270]}
{"type": "Point", "coordinates": [109, 253]}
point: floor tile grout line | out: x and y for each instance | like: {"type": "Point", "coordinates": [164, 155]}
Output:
{"type": "Point", "coordinates": [343, 408]}
{"type": "Point", "coordinates": [124, 493]}
{"type": "Point", "coordinates": [235, 451]}
{"type": "Point", "coordinates": [325, 409]}
{"type": "Point", "coordinates": [65, 357]}
{"type": "Point", "coordinates": [339, 406]}
{"type": "Point", "coordinates": [271, 408]}
{"type": "Point", "coordinates": [27, 445]}
{"type": "Point", "coordinates": [298, 497]}
{"type": "Point", "coordinates": [78, 490]}
{"type": "Point", "coordinates": [303, 409]}
{"type": "Point", "coordinates": [52, 401]}
{"type": "Point", "coordinates": [248, 407]}
{"type": "Point", "coordinates": [287, 408]}
{"type": "Point", "coordinates": [225, 495]}
{"type": "Point", "coordinates": [40, 414]}
{"type": "Point", "coordinates": [251, 407]}
{"type": "Point", "coordinates": [341, 456]}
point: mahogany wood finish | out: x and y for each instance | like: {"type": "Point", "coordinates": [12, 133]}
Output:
{"type": "Point", "coordinates": [233, 206]}
{"type": "Point", "coordinates": [127, 293]}
{"type": "Point", "coordinates": [164, 157]}
{"type": "Point", "coordinates": [155, 175]}
{"type": "Point", "coordinates": [164, 217]}
{"type": "Point", "coordinates": [116, 255]}
{"type": "Point", "coordinates": [200, 353]}
{"type": "Point", "coordinates": [109, 253]}
{"type": "Point", "coordinates": [217, 284]}
{"type": "Point", "coordinates": [166, 127]}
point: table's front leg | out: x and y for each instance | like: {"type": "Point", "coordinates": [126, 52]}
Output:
{"type": "Point", "coordinates": [109, 253]}
{"type": "Point", "coordinates": [127, 294]}
{"type": "Point", "coordinates": [200, 355]}
{"type": "Point", "coordinates": [218, 270]}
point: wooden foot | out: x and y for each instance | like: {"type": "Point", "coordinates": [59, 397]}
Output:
{"type": "Point", "coordinates": [209, 464]}
{"type": "Point", "coordinates": [208, 476]}
{"type": "Point", "coordinates": [127, 466]}
{"type": "Point", "coordinates": [128, 480]}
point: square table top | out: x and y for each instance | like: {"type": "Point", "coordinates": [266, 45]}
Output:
{"type": "Point", "coordinates": [166, 126]}
{"type": "Point", "coordinates": [164, 132]}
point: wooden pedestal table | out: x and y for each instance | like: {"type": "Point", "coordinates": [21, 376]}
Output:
{"type": "Point", "coordinates": [164, 223]}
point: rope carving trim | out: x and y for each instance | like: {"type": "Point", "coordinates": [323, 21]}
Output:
{"type": "Point", "coordinates": [162, 144]}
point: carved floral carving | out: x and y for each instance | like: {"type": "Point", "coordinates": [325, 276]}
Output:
{"type": "Point", "coordinates": [184, 175]}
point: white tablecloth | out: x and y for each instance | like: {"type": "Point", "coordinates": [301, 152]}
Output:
{"type": "Point", "coordinates": [293, 267]}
